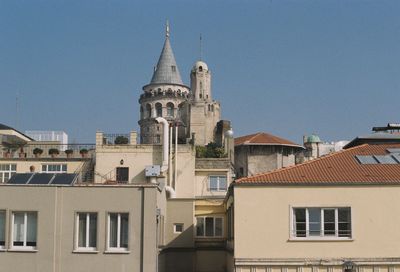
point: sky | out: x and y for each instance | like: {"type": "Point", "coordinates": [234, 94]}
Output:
{"type": "Point", "coordinates": [290, 68]}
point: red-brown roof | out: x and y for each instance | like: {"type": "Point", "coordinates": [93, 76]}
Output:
{"type": "Point", "coordinates": [262, 138]}
{"type": "Point", "coordinates": [337, 168]}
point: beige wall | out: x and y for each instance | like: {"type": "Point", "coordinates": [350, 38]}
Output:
{"type": "Point", "coordinates": [180, 211]}
{"type": "Point", "coordinates": [202, 183]}
{"type": "Point", "coordinates": [57, 206]}
{"type": "Point", "coordinates": [262, 222]}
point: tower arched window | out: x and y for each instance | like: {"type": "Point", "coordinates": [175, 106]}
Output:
{"type": "Point", "coordinates": [201, 68]}
{"type": "Point", "coordinates": [158, 110]}
{"type": "Point", "coordinates": [148, 111]}
{"type": "Point", "coordinates": [170, 109]}
{"type": "Point", "coordinates": [141, 112]}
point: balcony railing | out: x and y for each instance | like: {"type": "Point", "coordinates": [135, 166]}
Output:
{"type": "Point", "coordinates": [48, 150]}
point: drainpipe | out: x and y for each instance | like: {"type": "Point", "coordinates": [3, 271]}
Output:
{"type": "Point", "coordinates": [170, 157]}
{"type": "Point", "coordinates": [165, 156]}
{"type": "Point", "coordinates": [176, 157]}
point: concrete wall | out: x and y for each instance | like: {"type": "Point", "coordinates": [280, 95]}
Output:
{"type": "Point", "coordinates": [57, 206]}
{"type": "Point", "coordinates": [262, 224]}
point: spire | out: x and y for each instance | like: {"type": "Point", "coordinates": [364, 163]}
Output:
{"type": "Point", "coordinates": [166, 70]}
{"type": "Point", "coordinates": [201, 47]}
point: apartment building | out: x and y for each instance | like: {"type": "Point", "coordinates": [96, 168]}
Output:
{"type": "Point", "coordinates": [335, 213]}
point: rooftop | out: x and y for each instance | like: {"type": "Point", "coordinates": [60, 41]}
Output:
{"type": "Point", "coordinates": [342, 167]}
{"type": "Point", "coordinates": [262, 138]}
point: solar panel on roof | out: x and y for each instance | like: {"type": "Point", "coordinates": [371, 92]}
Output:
{"type": "Point", "coordinates": [41, 178]}
{"type": "Point", "coordinates": [393, 150]}
{"type": "Point", "coordinates": [64, 179]}
{"type": "Point", "coordinates": [366, 159]}
{"type": "Point", "coordinates": [20, 178]}
{"type": "Point", "coordinates": [385, 159]}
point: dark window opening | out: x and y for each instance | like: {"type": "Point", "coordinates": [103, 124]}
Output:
{"type": "Point", "coordinates": [122, 174]}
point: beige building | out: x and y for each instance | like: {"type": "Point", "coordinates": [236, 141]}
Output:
{"type": "Point", "coordinates": [54, 228]}
{"type": "Point", "coordinates": [336, 213]}
{"type": "Point", "coordinates": [263, 152]}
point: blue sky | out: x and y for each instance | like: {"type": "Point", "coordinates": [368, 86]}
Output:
{"type": "Point", "coordinates": [285, 67]}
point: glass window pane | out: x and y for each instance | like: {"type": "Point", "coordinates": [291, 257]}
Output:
{"type": "Point", "coordinates": [209, 226]}
{"type": "Point", "coordinates": [222, 183]}
{"type": "Point", "coordinates": [300, 222]}
{"type": "Point", "coordinates": [200, 226]}
{"type": "Point", "coordinates": [82, 230]}
{"type": "Point", "coordinates": [113, 229]}
{"type": "Point", "coordinates": [43, 168]}
{"type": "Point", "coordinates": [314, 220]}
{"type": "Point", "coordinates": [13, 167]}
{"type": "Point", "coordinates": [344, 217]}
{"type": "Point", "coordinates": [31, 229]}
{"type": "Point", "coordinates": [218, 226]}
{"type": "Point", "coordinates": [18, 229]}
{"type": "Point", "coordinates": [2, 227]}
{"type": "Point", "coordinates": [213, 183]}
{"type": "Point", "coordinates": [124, 230]}
{"type": "Point", "coordinates": [329, 222]}
{"type": "Point", "coordinates": [64, 168]}
{"type": "Point", "coordinates": [93, 230]}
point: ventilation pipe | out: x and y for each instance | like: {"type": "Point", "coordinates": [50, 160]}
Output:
{"type": "Point", "coordinates": [165, 163]}
{"type": "Point", "coordinates": [164, 166]}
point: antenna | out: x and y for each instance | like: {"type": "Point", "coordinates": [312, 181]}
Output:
{"type": "Point", "coordinates": [201, 47]}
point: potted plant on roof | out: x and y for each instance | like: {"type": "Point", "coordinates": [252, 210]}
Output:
{"type": "Point", "coordinates": [21, 153]}
{"type": "Point", "coordinates": [7, 153]}
{"type": "Point", "coordinates": [53, 152]}
{"type": "Point", "coordinates": [37, 152]}
{"type": "Point", "coordinates": [69, 153]}
{"type": "Point", "coordinates": [83, 152]}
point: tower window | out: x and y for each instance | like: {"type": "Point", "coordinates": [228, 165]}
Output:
{"type": "Point", "coordinates": [170, 109]}
{"type": "Point", "coordinates": [173, 68]}
{"type": "Point", "coordinates": [201, 68]}
{"type": "Point", "coordinates": [158, 109]}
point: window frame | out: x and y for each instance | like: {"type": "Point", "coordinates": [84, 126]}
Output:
{"type": "Point", "coordinates": [24, 247]}
{"type": "Point", "coordinates": [322, 236]}
{"type": "Point", "coordinates": [118, 249]}
{"type": "Point", "coordinates": [204, 236]}
{"type": "Point", "coordinates": [63, 168]}
{"type": "Point", "coordinates": [10, 171]}
{"type": "Point", "coordinates": [218, 182]}
{"type": "Point", "coordinates": [4, 212]}
{"type": "Point", "coordinates": [87, 248]}
{"type": "Point", "coordinates": [179, 224]}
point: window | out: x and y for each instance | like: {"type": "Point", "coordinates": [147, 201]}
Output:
{"type": "Point", "coordinates": [24, 230]}
{"type": "Point", "coordinates": [321, 222]}
{"type": "Point", "coordinates": [209, 226]}
{"type": "Point", "coordinates": [54, 168]}
{"type": "Point", "coordinates": [217, 183]}
{"type": "Point", "coordinates": [118, 224]}
{"type": "Point", "coordinates": [86, 234]}
{"type": "Point", "coordinates": [170, 109]}
{"type": "Point", "coordinates": [122, 174]}
{"type": "Point", "coordinates": [157, 139]}
{"type": "Point", "coordinates": [6, 171]}
{"type": "Point", "coordinates": [173, 68]}
{"type": "Point", "coordinates": [158, 109]}
{"type": "Point", "coordinates": [178, 228]}
{"type": "Point", "coordinates": [2, 229]}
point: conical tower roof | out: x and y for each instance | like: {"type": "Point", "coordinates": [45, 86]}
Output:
{"type": "Point", "coordinates": [166, 70]}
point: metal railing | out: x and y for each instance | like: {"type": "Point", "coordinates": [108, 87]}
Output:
{"type": "Point", "coordinates": [48, 150]}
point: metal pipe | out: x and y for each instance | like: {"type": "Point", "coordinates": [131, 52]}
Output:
{"type": "Point", "coordinates": [164, 166]}
{"type": "Point", "coordinates": [176, 157]}
{"type": "Point", "coordinates": [171, 191]}
{"type": "Point", "coordinates": [170, 158]}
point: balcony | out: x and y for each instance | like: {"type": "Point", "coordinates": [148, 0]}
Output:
{"type": "Point", "coordinates": [45, 150]}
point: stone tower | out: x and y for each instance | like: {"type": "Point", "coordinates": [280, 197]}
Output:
{"type": "Point", "coordinates": [165, 96]}
{"type": "Point", "coordinates": [204, 111]}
